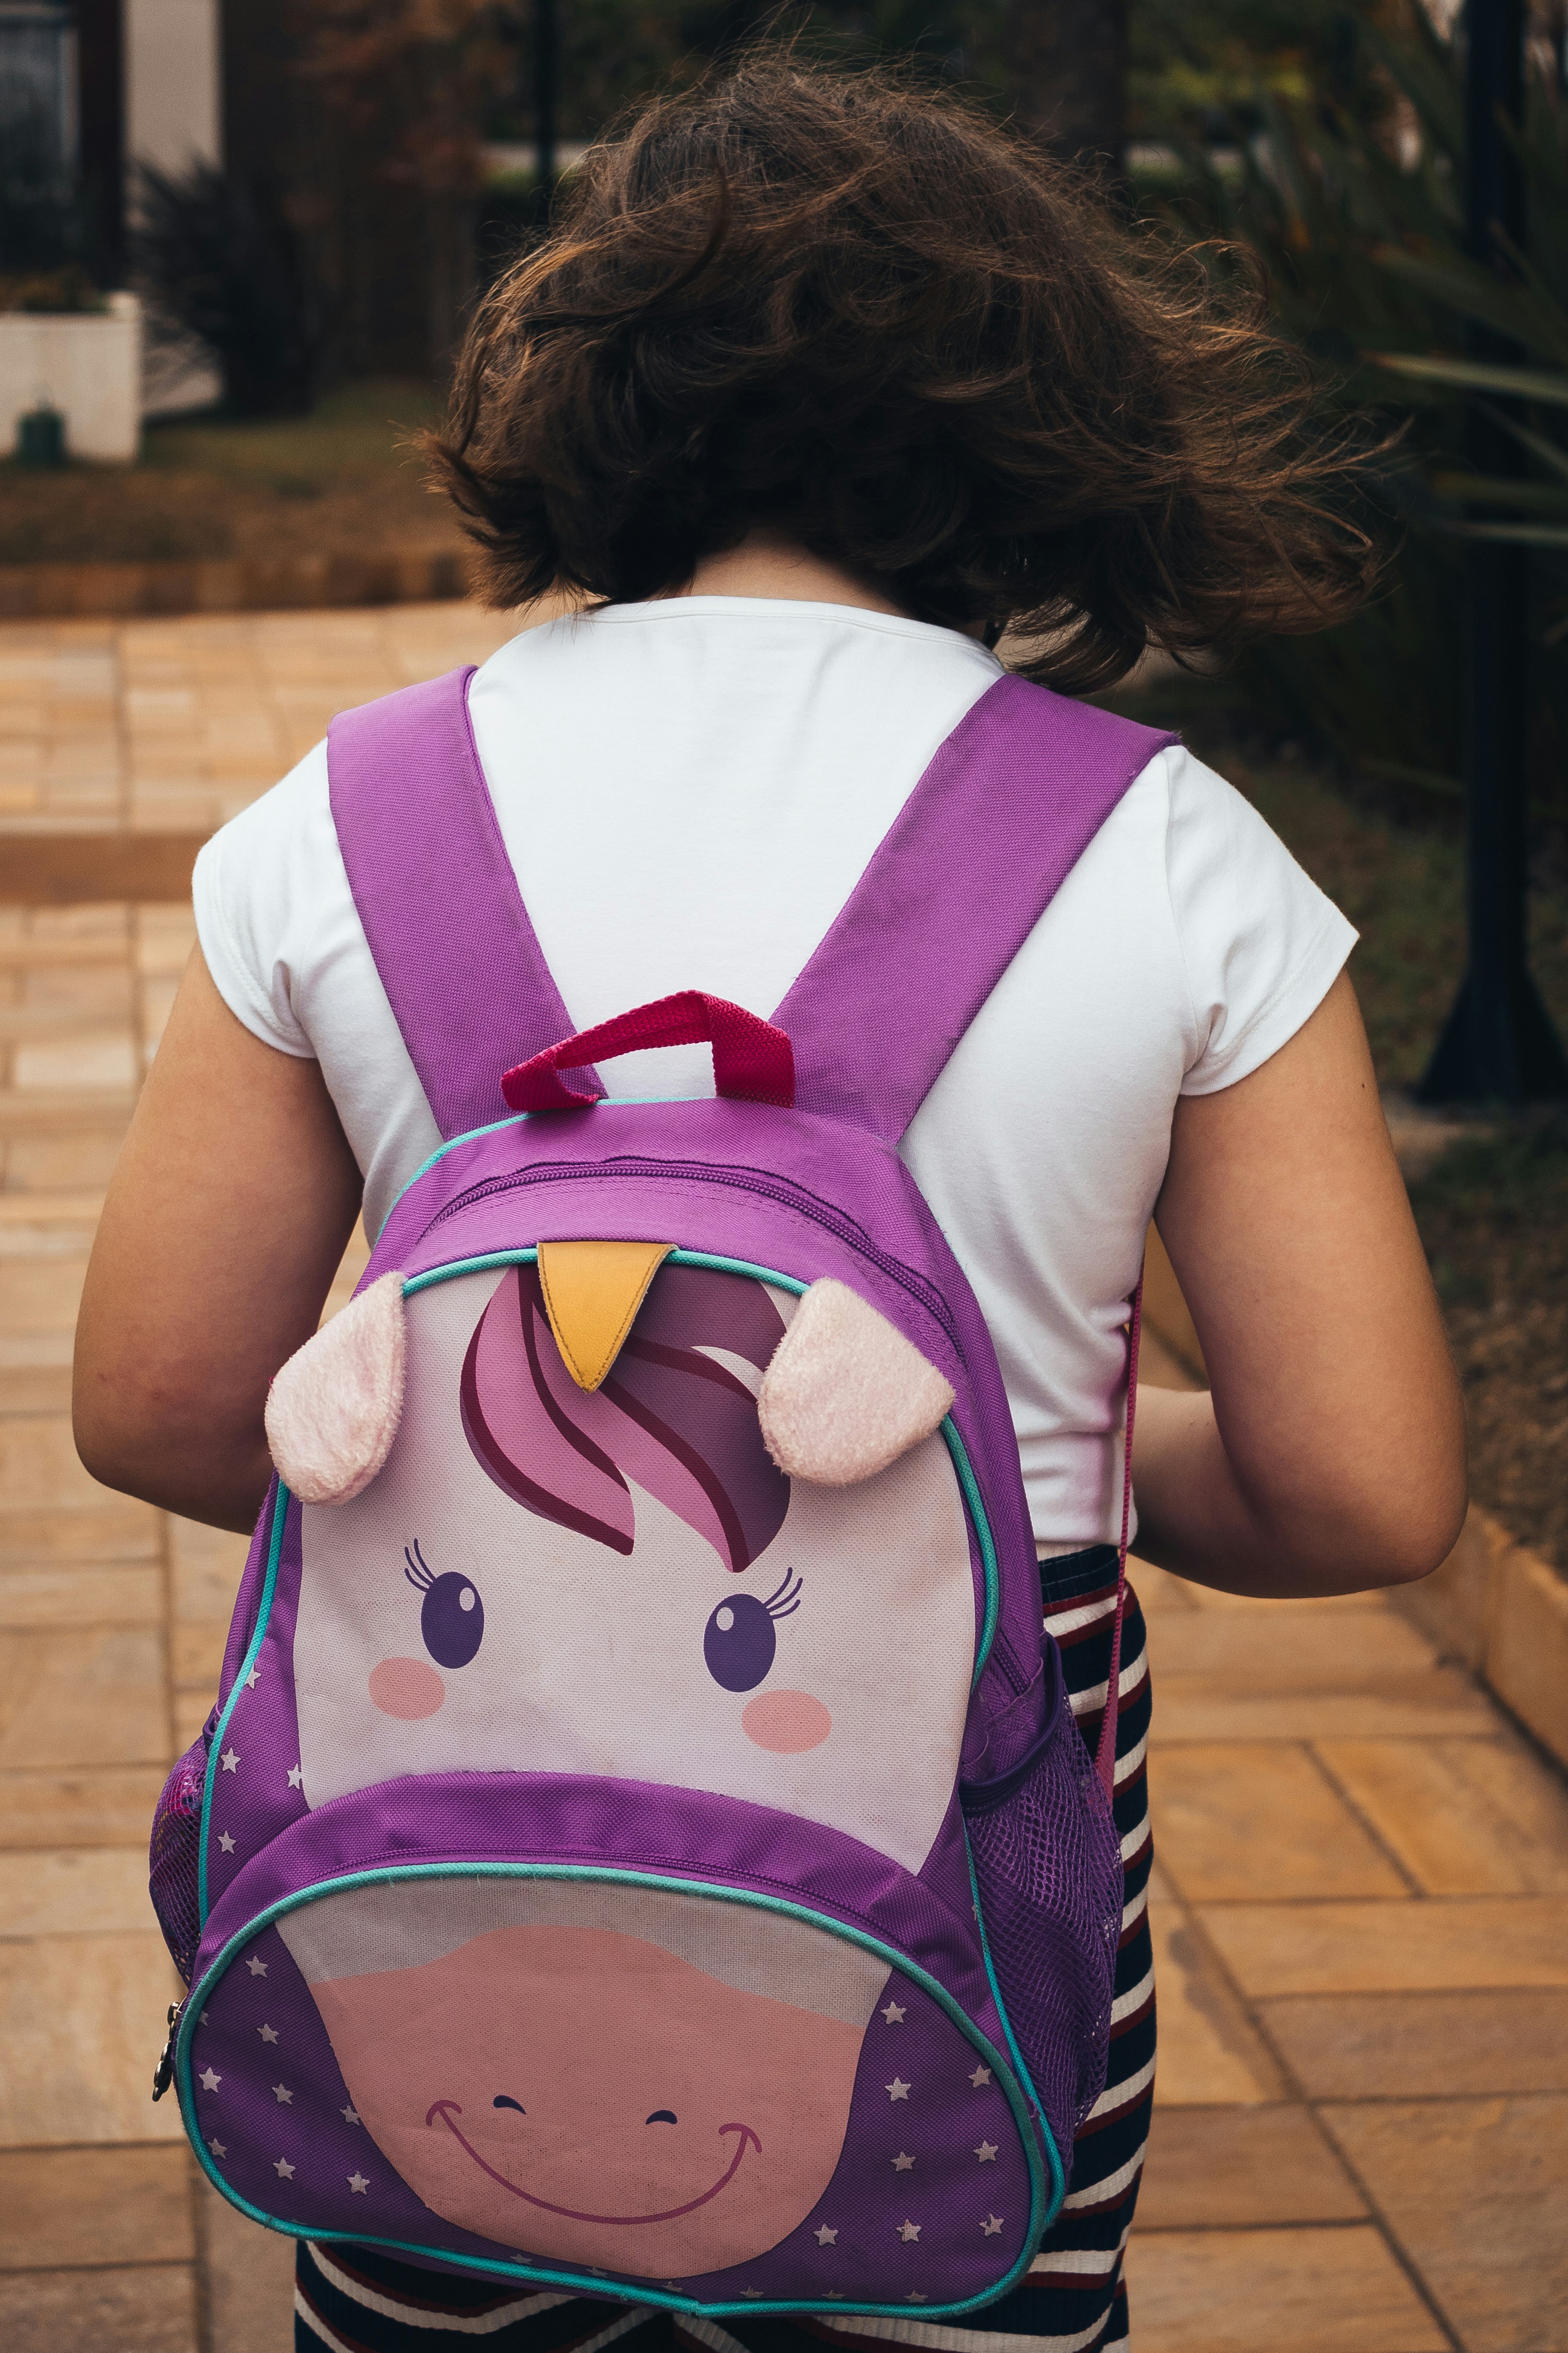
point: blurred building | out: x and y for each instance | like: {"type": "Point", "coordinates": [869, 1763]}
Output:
{"type": "Point", "coordinates": [91, 88]}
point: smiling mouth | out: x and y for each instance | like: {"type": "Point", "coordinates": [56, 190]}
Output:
{"type": "Point", "coordinates": [448, 2109]}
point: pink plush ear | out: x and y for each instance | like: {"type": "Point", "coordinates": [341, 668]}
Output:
{"type": "Point", "coordinates": [333, 1410]}
{"type": "Point", "coordinates": [846, 1394]}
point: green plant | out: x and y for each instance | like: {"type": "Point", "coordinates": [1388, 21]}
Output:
{"type": "Point", "coordinates": [222, 262]}
{"type": "Point", "coordinates": [1354, 200]}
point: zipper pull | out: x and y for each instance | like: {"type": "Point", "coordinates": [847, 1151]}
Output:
{"type": "Point", "coordinates": [163, 2073]}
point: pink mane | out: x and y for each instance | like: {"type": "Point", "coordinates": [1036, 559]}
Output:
{"type": "Point", "coordinates": [681, 1427]}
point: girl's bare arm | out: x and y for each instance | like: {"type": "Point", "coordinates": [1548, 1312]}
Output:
{"type": "Point", "coordinates": [230, 1211]}
{"type": "Point", "coordinates": [1329, 1454]}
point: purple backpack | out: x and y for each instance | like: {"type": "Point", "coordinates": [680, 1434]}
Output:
{"type": "Point", "coordinates": [643, 1846]}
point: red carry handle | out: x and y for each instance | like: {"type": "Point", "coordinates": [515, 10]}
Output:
{"type": "Point", "coordinates": [753, 1061]}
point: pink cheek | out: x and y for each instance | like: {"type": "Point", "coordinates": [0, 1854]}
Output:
{"type": "Point", "coordinates": [407, 1688]}
{"type": "Point", "coordinates": [786, 1722]}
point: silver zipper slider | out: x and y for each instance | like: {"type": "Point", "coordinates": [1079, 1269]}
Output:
{"type": "Point", "coordinates": [163, 2073]}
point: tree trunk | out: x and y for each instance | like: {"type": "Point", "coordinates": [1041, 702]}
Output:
{"type": "Point", "coordinates": [1067, 62]}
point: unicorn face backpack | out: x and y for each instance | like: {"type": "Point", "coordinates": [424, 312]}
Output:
{"type": "Point", "coordinates": [643, 1846]}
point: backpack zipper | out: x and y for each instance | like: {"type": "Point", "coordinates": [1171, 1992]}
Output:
{"type": "Point", "coordinates": [794, 1196]}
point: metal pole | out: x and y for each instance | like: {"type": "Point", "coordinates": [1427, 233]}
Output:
{"type": "Point", "coordinates": [1497, 1044]}
{"type": "Point", "coordinates": [546, 84]}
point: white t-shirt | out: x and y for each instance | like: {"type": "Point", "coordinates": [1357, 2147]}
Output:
{"type": "Point", "coordinates": [688, 791]}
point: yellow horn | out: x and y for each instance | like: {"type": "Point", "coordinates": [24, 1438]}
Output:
{"type": "Point", "coordinates": [592, 1293]}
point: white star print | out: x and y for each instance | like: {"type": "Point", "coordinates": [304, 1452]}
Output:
{"type": "Point", "coordinates": [282, 2168]}
{"type": "Point", "coordinates": [252, 1679]}
{"type": "Point", "coordinates": [267, 2033]}
{"type": "Point", "coordinates": [358, 2182]}
{"type": "Point", "coordinates": [835, 2295]}
{"type": "Point", "coordinates": [229, 1761]}
{"type": "Point", "coordinates": [903, 2162]}
{"type": "Point", "coordinates": [754, 2292]}
{"type": "Point", "coordinates": [209, 2081]}
{"type": "Point", "coordinates": [992, 2224]}
{"type": "Point", "coordinates": [898, 2089]}
{"type": "Point", "coordinates": [909, 2233]}
{"type": "Point", "coordinates": [258, 1969]}
{"type": "Point", "coordinates": [225, 1843]}
{"type": "Point", "coordinates": [914, 2296]}
{"type": "Point", "coordinates": [981, 2077]}
{"type": "Point", "coordinates": [296, 1775]}
{"type": "Point", "coordinates": [894, 2013]}
{"type": "Point", "coordinates": [217, 2148]}
{"type": "Point", "coordinates": [825, 2237]}
{"type": "Point", "coordinates": [204, 2018]}
{"type": "Point", "coordinates": [986, 2152]}
{"type": "Point", "coordinates": [283, 2095]}
{"type": "Point", "coordinates": [349, 2115]}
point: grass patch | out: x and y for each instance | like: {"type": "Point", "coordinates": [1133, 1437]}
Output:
{"type": "Point", "coordinates": [342, 479]}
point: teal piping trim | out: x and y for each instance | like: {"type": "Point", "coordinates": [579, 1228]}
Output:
{"type": "Point", "coordinates": [971, 1486]}
{"type": "Point", "coordinates": [585, 2283]}
{"type": "Point", "coordinates": [968, 1483]}
{"type": "Point", "coordinates": [1059, 2177]}
{"type": "Point", "coordinates": [269, 1587]}
{"type": "Point", "coordinates": [620, 1103]}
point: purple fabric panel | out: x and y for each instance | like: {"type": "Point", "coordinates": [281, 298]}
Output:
{"type": "Point", "coordinates": [458, 959]}
{"type": "Point", "coordinates": [335, 2178]}
{"type": "Point", "coordinates": [995, 826]}
{"type": "Point", "coordinates": [242, 1625]}
{"type": "Point", "coordinates": [253, 1800]}
{"type": "Point", "coordinates": [642, 1826]}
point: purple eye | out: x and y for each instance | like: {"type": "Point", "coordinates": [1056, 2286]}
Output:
{"type": "Point", "coordinates": [452, 1619]}
{"type": "Point", "coordinates": [739, 1642]}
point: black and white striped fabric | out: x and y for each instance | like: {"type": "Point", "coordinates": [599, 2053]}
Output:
{"type": "Point", "coordinates": [353, 2299]}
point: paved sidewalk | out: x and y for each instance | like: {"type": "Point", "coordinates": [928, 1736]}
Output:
{"type": "Point", "coordinates": [1360, 1909]}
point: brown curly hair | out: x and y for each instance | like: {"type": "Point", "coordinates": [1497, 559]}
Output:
{"type": "Point", "coordinates": [864, 317]}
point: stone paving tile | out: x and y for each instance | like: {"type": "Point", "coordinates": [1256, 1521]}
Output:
{"type": "Point", "coordinates": [1421, 2045]}
{"type": "Point", "coordinates": [1465, 1816]}
{"type": "Point", "coordinates": [74, 1891]}
{"type": "Point", "coordinates": [1441, 1703]}
{"type": "Point", "coordinates": [1476, 2190]}
{"type": "Point", "coordinates": [1261, 1819]}
{"type": "Point", "coordinates": [79, 1807]}
{"type": "Point", "coordinates": [36, 1594]}
{"type": "Point", "coordinates": [66, 2205]}
{"type": "Point", "coordinates": [86, 1697]}
{"type": "Point", "coordinates": [1210, 2053]}
{"type": "Point", "coordinates": [1305, 2291]}
{"type": "Point", "coordinates": [249, 2279]}
{"type": "Point", "coordinates": [1239, 2167]}
{"type": "Point", "coordinates": [81, 2024]}
{"type": "Point", "coordinates": [151, 2309]}
{"type": "Point", "coordinates": [1447, 1944]}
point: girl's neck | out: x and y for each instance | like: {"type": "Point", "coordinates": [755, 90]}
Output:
{"type": "Point", "coordinates": [765, 565]}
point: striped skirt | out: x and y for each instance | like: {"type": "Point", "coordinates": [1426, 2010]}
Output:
{"type": "Point", "coordinates": [351, 2299]}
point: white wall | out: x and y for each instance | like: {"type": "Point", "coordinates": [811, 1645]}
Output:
{"type": "Point", "coordinates": [87, 367]}
{"type": "Point", "coordinates": [172, 81]}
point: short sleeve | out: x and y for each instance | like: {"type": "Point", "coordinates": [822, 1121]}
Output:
{"type": "Point", "coordinates": [1260, 943]}
{"type": "Point", "coordinates": [258, 889]}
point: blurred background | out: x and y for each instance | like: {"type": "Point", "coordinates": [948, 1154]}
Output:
{"type": "Point", "coordinates": [239, 243]}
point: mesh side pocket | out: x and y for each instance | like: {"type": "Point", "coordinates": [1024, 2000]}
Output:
{"type": "Point", "coordinates": [1048, 1864]}
{"type": "Point", "coordinates": [173, 1877]}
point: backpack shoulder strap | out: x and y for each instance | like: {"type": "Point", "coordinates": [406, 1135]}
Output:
{"type": "Point", "coordinates": [459, 961]}
{"type": "Point", "coordinates": [1008, 805]}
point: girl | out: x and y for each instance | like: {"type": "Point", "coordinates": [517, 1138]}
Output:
{"type": "Point", "coordinates": [819, 384]}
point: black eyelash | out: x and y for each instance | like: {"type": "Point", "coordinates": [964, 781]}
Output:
{"type": "Point", "coordinates": [421, 1576]}
{"type": "Point", "coordinates": [784, 1600]}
